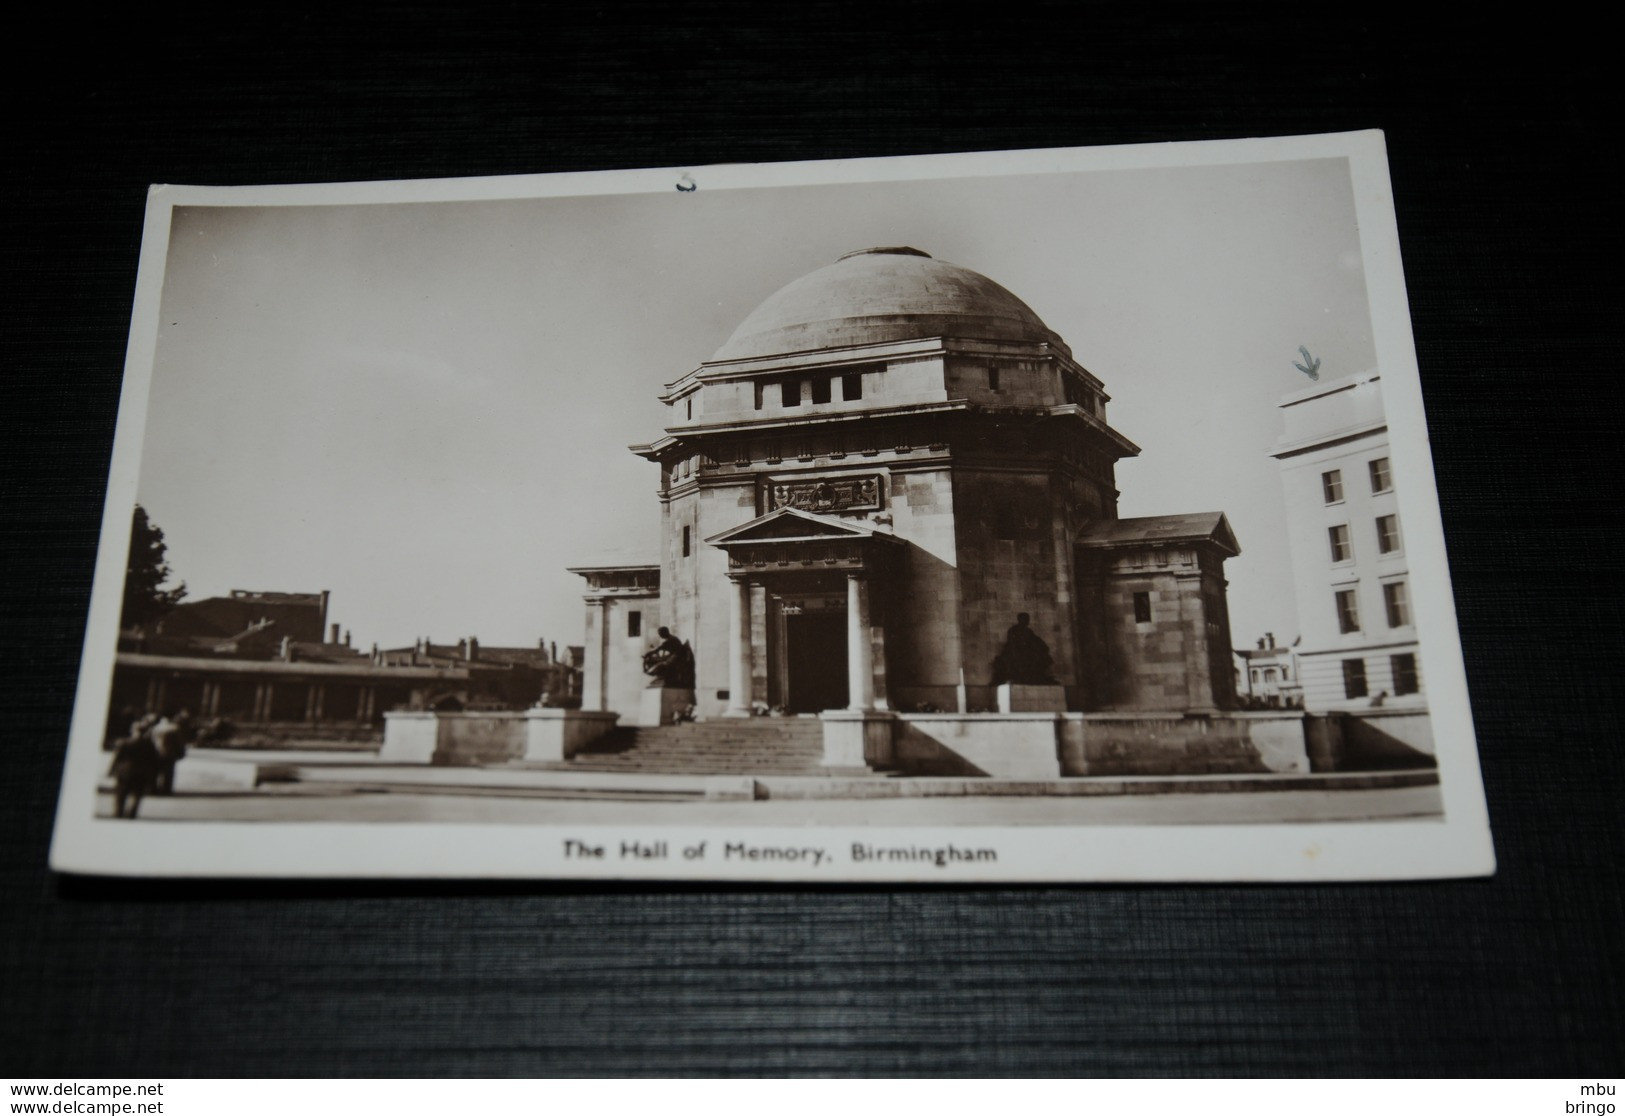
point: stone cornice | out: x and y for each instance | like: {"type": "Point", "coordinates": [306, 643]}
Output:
{"type": "Point", "coordinates": [1329, 438]}
{"type": "Point", "coordinates": [834, 360]}
{"type": "Point", "coordinates": [698, 434]}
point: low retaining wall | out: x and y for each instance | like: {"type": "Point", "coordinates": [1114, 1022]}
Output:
{"type": "Point", "coordinates": [204, 775]}
{"type": "Point", "coordinates": [1049, 746]}
{"type": "Point", "coordinates": [468, 739]}
{"type": "Point", "coordinates": [282, 735]}
{"type": "Point", "coordinates": [1189, 744]}
{"type": "Point", "coordinates": [1373, 740]}
{"type": "Point", "coordinates": [858, 740]}
{"type": "Point", "coordinates": [1003, 745]}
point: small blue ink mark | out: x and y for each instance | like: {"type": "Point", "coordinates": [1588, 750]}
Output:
{"type": "Point", "coordinates": [691, 187]}
{"type": "Point", "coordinates": [1310, 367]}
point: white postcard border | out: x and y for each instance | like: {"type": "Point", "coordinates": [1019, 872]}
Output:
{"type": "Point", "coordinates": [1458, 844]}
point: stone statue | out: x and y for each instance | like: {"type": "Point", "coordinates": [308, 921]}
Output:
{"type": "Point", "coordinates": [1024, 659]}
{"type": "Point", "coordinates": [670, 664]}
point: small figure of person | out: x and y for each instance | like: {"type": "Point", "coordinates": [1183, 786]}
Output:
{"type": "Point", "coordinates": [172, 743]}
{"type": "Point", "coordinates": [1025, 658]}
{"type": "Point", "coordinates": [123, 717]}
{"type": "Point", "coordinates": [165, 739]}
{"type": "Point", "coordinates": [134, 771]}
{"type": "Point", "coordinates": [670, 663]}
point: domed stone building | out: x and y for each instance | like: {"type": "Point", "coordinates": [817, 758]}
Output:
{"type": "Point", "coordinates": [888, 462]}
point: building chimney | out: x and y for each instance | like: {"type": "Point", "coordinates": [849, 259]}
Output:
{"type": "Point", "coordinates": [553, 652]}
{"type": "Point", "coordinates": [1261, 643]}
{"type": "Point", "coordinates": [346, 637]}
{"type": "Point", "coordinates": [471, 650]}
{"type": "Point", "coordinates": [1271, 637]}
{"type": "Point", "coordinates": [333, 634]}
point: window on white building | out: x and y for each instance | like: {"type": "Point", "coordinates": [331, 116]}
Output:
{"type": "Point", "coordinates": [1331, 484]}
{"type": "Point", "coordinates": [1354, 678]}
{"type": "Point", "coordinates": [1397, 601]}
{"type": "Point", "coordinates": [790, 393]}
{"type": "Point", "coordinates": [852, 386]}
{"type": "Point", "coordinates": [1387, 534]}
{"type": "Point", "coordinates": [634, 624]}
{"type": "Point", "coordinates": [1348, 611]}
{"type": "Point", "coordinates": [1342, 548]}
{"type": "Point", "coordinates": [1406, 680]}
{"type": "Point", "coordinates": [1381, 479]}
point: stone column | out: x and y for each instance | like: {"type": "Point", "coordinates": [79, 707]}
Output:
{"type": "Point", "coordinates": [739, 649]}
{"type": "Point", "coordinates": [860, 671]}
{"type": "Point", "coordinates": [598, 648]}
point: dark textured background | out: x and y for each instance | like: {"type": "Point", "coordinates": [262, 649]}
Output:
{"type": "Point", "coordinates": [1505, 176]}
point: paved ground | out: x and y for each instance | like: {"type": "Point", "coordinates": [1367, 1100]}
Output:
{"type": "Point", "coordinates": [314, 803]}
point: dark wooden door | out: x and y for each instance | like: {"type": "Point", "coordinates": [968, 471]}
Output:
{"type": "Point", "coordinates": [816, 650]}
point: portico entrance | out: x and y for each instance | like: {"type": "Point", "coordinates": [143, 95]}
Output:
{"type": "Point", "coordinates": [814, 573]}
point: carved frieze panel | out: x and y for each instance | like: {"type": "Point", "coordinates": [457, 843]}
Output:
{"type": "Point", "coordinates": [837, 554]}
{"type": "Point", "coordinates": [827, 495]}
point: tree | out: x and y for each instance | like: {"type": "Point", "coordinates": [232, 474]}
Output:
{"type": "Point", "coordinates": [145, 598]}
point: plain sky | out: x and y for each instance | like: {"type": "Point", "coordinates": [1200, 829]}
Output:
{"type": "Point", "coordinates": [425, 407]}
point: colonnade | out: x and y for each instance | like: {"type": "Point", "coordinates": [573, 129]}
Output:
{"type": "Point", "coordinates": [263, 704]}
{"type": "Point", "coordinates": [860, 672]}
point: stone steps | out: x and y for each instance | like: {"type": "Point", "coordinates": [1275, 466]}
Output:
{"type": "Point", "coordinates": [709, 748]}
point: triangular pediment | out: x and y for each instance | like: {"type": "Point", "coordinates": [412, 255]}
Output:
{"type": "Point", "coordinates": [792, 524]}
{"type": "Point", "coordinates": [1162, 530]}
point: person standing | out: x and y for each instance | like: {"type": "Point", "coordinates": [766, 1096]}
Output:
{"type": "Point", "coordinates": [134, 770]}
{"type": "Point", "coordinates": [166, 739]}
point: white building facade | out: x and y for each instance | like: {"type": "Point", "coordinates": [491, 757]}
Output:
{"type": "Point", "coordinates": [1359, 645]}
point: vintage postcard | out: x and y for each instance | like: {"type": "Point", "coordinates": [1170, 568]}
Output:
{"type": "Point", "coordinates": [1058, 515]}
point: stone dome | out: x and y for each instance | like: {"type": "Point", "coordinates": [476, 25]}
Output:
{"type": "Point", "coordinates": [878, 295]}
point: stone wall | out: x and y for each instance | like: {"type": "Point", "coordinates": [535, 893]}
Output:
{"type": "Point", "coordinates": [613, 677]}
{"type": "Point", "coordinates": [1179, 658]}
{"type": "Point", "coordinates": [923, 650]}
{"type": "Point", "coordinates": [1007, 746]}
{"type": "Point", "coordinates": [1373, 740]}
{"type": "Point", "coordinates": [453, 739]}
{"type": "Point", "coordinates": [471, 739]}
{"type": "Point", "coordinates": [1032, 745]}
{"type": "Point", "coordinates": [1008, 564]}
{"type": "Point", "coordinates": [1147, 744]}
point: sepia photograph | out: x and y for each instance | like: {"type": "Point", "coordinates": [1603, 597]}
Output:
{"type": "Point", "coordinates": [1050, 515]}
